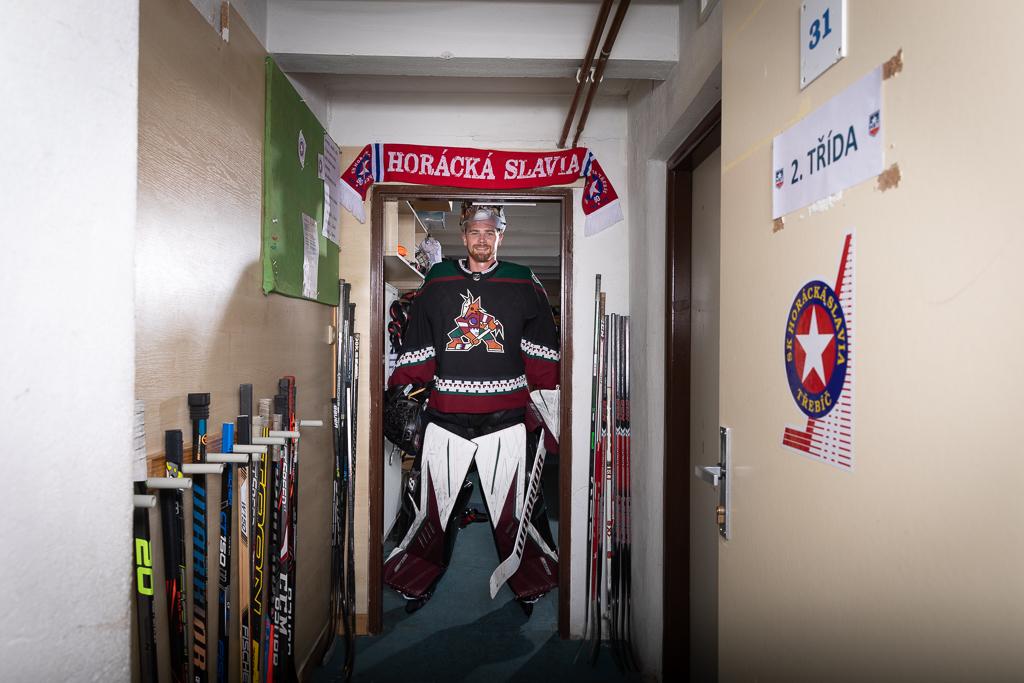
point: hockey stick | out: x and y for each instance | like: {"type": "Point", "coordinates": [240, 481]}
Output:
{"type": "Point", "coordinates": [258, 540]}
{"type": "Point", "coordinates": [172, 506]}
{"type": "Point", "coordinates": [277, 602]}
{"type": "Point", "coordinates": [339, 445]}
{"type": "Point", "coordinates": [199, 411]}
{"type": "Point", "coordinates": [597, 561]}
{"type": "Point", "coordinates": [593, 451]}
{"type": "Point", "coordinates": [627, 504]}
{"type": "Point", "coordinates": [243, 436]}
{"type": "Point", "coordinates": [227, 441]}
{"type": "Point", "coordinates": [611, 536]}
{"type": "Point", "coordinates": [510, 565]}
{"type": "Point", "coordinates": [350, 495]}
{"type": "Point", "coordinates": [143, 556]}
{"type": "Point", "coordinates": [293, 524]}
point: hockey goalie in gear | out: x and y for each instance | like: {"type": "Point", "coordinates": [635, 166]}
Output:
{"type": "Point", "coordinates": [420, 560]}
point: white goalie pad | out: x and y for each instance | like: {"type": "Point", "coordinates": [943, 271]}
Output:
{"type": "Point", "coordinates": [547, 402]}
{"type": "Point", "coordinates": [446, 458]}
{"type": "Point", "coordinates": [500, 460]}
{"type": "Point", "coordinates": [445, 463]}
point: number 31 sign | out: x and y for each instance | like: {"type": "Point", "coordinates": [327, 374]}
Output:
{"type": "Point", "coordinates": [822, 37]}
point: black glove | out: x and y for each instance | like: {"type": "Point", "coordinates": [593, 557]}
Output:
{"type": "Point", "coordinates": [403, 417]}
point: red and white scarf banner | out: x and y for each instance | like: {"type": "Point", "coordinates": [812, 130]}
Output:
{"type": "Point", "coordinates": [482, 169]}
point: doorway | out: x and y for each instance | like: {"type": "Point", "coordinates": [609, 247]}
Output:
{"type": "Point", "coordinates": [555, 272]}
{"type": "Point", "coordinates": [690, 579]}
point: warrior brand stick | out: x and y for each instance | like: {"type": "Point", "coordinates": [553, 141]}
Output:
{"type": "Point", "coordinates": [172, 511]}
{"type": "Point", "coordinates": [243, 435]}
{"type": "Point", "coordinates": [227, 485]}
{"type": "Point", "coordinates": [143, 556]}
{"type": "Point", "coordinates": [199, 411]}
{"type": "Point", "coordinates": [511, 564]}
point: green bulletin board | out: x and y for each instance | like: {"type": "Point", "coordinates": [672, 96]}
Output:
{"type": "Point", "coordinates": [293, 198]}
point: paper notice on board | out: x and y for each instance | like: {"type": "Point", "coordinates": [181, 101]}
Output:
{"type": "Point", "coordinates": [331, 213]}
{"type": "Point", "coordinates": [328, 167]}
{"type": "Point", "coordinates": [331, 171]}
{"type": "Point", "coordinates": [310, 257]}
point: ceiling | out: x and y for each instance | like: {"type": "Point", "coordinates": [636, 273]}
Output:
{"type": "Point", "coordinates": [492, 39]}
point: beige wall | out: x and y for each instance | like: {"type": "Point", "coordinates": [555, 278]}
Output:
{"type": "Point", "coordinates": [912, 566]}
{"type": "Point", "coordinates": [661, 116]}
{"type": "Point", "coordinates": [354, 268]}
{"type": "Point", "coordinates": [202, 321]}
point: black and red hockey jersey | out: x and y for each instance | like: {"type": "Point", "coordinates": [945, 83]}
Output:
{"type": "Point", "coordinates": [485, 339]}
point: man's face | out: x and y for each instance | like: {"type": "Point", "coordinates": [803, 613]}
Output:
{"type": "Point", "coordinates": [481, 239]}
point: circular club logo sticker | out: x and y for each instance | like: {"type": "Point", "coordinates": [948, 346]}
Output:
{"type": "Point", "coordinates": [816, 349]}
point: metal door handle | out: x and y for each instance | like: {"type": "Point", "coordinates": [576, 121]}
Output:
{"type": "Point", "coordinates": [718, 476]}
{"type": "Point", "coordinates": [709, 473]}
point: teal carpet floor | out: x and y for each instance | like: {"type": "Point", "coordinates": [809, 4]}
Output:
{"type": "Point", "coordinates": [463, 635]}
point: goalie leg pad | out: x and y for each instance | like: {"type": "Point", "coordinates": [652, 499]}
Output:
{"type": "Point", "coordinates": [501, 463]}
{"type": "Point", "coordinates": [420, 560]}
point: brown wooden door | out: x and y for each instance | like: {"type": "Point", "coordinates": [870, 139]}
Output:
{"type": "Point", "coordinates": [689, 647]}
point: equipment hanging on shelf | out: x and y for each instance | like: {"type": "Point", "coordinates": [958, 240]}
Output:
{"type": "Point", "coordinates": [143, 556]}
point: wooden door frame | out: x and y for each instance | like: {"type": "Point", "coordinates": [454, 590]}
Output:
{"type": "Point", "coordinates": [697, 147]}
{"type": "Point", "coordinates": [375, 555]}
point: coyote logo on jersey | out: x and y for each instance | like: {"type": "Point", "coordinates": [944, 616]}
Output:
{"type": "Point", "coordinates": [475, 326]}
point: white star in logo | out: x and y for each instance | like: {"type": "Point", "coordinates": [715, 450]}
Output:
{"type": "Point", "coordinates": [814, 346]}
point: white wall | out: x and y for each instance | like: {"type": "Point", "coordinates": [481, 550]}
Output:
{"type": "Point", "coordinates": [68, 207]}
{"type": "Point", "coordinates": [520, 121]}
{"type": "Point", "coordinates": [660, 118]}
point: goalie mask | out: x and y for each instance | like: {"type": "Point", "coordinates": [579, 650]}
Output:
{"type": "Point", "coordinates": [475, 213]}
